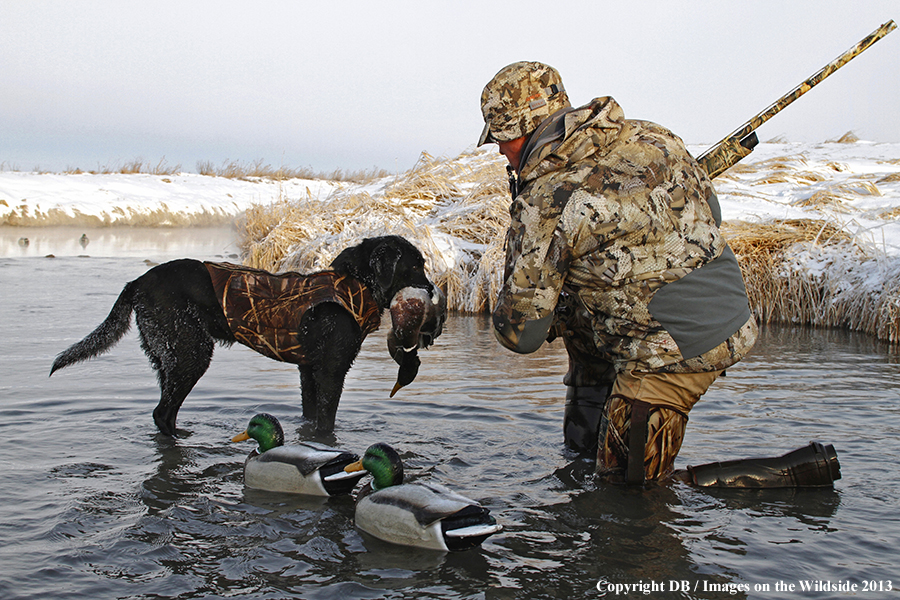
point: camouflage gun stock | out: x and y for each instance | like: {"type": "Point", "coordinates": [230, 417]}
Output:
{"type": "Point", "coordinates": [741, 142]}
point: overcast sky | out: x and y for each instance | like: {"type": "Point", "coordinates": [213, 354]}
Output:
{"type": "Point", "coordinates": [362, 84]}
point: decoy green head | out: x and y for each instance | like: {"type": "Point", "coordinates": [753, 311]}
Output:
{"type": "Point", "coordinates": [383, 463]}
{"type": "Point", "coordinates": [265, 429]}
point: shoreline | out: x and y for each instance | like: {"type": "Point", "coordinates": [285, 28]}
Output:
{"type": "Point", "coordinates": [151, 243]}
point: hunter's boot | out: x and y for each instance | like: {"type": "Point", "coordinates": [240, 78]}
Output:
{"type": "Point", "coordinates": [581, 423]}
{"type": "Point", "coordinates": [588, 381]}
{"type": "Point", "coordinates": [815, 465]}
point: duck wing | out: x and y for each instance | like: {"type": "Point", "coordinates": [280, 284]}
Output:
{"type": "Point", "coordinates": [425, 515]}
{"type": "Point", "coordinates": [305, 468]}
{"type": "Point", "coordinates": [308, 456]}
{"type": "Point", "coordinates": [427, 502]}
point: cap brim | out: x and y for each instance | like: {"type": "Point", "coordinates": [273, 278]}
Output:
{"type": "Point", "coordinates": [485, 135]}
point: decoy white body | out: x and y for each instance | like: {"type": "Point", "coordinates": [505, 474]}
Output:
{"type": "Point", "coordinates": [411, 514]}
{"type": "Point", "coordinates": [297, 469]}
{"type": "Point", "coordinates": [303, 468]}
{"type": "Point", "coordinates": [423, 515]}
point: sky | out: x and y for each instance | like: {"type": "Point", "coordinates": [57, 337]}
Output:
{"type": "Point", "coordinates": [361, 85]}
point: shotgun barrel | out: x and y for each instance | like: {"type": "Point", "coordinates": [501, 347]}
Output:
{"type": "Point", "coordinates": [741, 141]}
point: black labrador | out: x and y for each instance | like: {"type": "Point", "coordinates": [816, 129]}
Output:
{"type": "Point", "coordinates": [181, 315]}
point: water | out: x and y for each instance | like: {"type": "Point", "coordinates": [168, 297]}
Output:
{"type": "Point", "coordinates": [95, 504]}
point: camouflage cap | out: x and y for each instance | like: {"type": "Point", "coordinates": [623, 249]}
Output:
{"type": "Point", "coordinates": [518, 99]}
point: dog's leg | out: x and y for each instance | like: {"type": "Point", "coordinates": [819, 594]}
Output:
{"type": "Point", "coordinates": [321, 389]}
{"type": "Point", "coordinates": [309, 393]}
{"type": "Point", "coordinates": [330, 385]}
{"type": "Point", "coordinates": [332, 339]}
{"type": "Point", "coordinates": [176, 383]}
{"type": "Point", "coordinates": [180, 350]}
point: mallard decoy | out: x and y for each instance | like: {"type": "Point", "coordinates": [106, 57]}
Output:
{"type": "Point", "coordinates": [305, 468]}
{"type": "Point", "coordinates": [417, 318]}
{"type": "Point", "coordinates": [424, 515]}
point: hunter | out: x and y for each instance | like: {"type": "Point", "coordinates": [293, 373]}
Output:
{"type": "Point", "coordinates": [614, 246]}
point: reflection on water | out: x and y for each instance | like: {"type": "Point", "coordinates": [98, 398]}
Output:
{"type": "Point", "coordinates": [153, 243]}
{"type": "Point", "coordinates": [96, 503]}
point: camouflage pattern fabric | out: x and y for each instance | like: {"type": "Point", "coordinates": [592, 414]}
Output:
{"type": "Point", "coordinates": [671, 397]}
{"type": "Point", "coordinates": [264, 311]}
{"type": "Point", "coordinates": [609, 214]}
{"type": "Point", "coordinates": [518, 98]}
{"type": "Point", "coordinates": [665, 433]}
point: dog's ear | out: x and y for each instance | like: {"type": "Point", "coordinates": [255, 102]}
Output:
{"type": "Point", "coordinates": [348, 261]}
{"type": "Point", "coordinates": [383, 260]}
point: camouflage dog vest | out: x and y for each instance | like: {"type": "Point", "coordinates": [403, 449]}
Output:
{"type": "Point", "coordinates": [264, 311]}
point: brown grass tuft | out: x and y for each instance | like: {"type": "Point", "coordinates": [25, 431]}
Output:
{"type": "Point", "coordinates": [823, 200]}
{"type": "Point", "coordinates": [259, 169]}
{"type": "Point", "coordinates": [132, 167]}
{"type": "Point", "coordinates": [891, 213]}
{"type": "Point", "coordinates": [847, 138]}
{"type": "Point", "coordinates": [120, 217]}
{"type": "Point", "coordinates": [889, 178]}
{"type": "Point", "coordinates": [796, 271]}
{"type": "Point", "coordinates": [463, 202]}
{"type": "Point", "coordinates": [812, 272]}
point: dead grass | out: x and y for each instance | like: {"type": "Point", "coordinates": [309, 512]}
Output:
{"type": "Point", "coordinates": [889, 178]}
{"type": "Point", "coordinates": [439, 202]}
{"type": "Point", "coordinates": [847, 138]}
{"type": "Point", "coordinates": [796, 271]}
{"type": "Point", "coordinates": [133, 167]}
{"type": "Point", "coordinates": [891, 213]}
{"type": "Point", "coordinates": [812, 272]}
{"type": "Point", "coordinates": [160, 217]}
{"type": "Point", "coordinates": [837, 198]}
{"type": "Point", "coordinates": [824, 200]}
{"type": "Point", "coordinates": [257, 169]}
{"type": "Point", "coordinates": [761, 250]}
{"type": "Point", "coordinates": [737, 170]}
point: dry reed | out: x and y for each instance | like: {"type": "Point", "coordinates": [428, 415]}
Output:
{"type": "Point", "coordinates": [259, 169]}
{"type": "Point", "coordinates": [847, 138]}
{"type": "Point", "coordinates": [230, 169]}
{"type": "Point", "coordinates": [132, 167]}
{"type": "Point", "coordinates": [162, 216]}
{"type": "Point", "coordinates": [456, 211]}
{"type": "Point", "coordinates": [889, 178]}
{"type": "Point", "coordinates": [891, 213]}
{"type": "Point", "coordinates": [813, 272]}
{"type": "Point", "coordinates": [452, 208]}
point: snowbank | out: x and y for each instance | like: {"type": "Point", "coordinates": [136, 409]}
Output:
{"type": "Point", "coordinates": [816, 226]}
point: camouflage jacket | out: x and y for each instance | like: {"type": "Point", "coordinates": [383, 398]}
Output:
{"type": "Point", "coordinates": [609, 212]}
{"type": "Point", "coordinates": [265, 311]}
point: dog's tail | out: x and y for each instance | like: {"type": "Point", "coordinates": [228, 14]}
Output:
{"type": "Point", "coordinates": [107, 334]}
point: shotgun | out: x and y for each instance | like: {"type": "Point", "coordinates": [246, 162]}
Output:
{"type": "Point", "coordinates": [741, 142]}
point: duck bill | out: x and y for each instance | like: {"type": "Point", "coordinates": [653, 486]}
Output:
{"type": "Point", "coordinates": [397, 387]}
{"type": "Point", "coordinates": [344, 475]}
{"type": "Point", "coordinates": [241, 437]}
{"type": "Point", "coordinates": [353, 467]}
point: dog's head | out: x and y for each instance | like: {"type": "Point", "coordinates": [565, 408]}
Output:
{"type": "Point", "coordinates": [386, 265]}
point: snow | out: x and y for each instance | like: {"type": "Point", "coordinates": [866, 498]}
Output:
{"type": "Point", "coordinates": [777, 181]}
{"type": "Point", "coordinates": [111, 196]}
{"type": "Point", "coordinates": [785, 176]}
